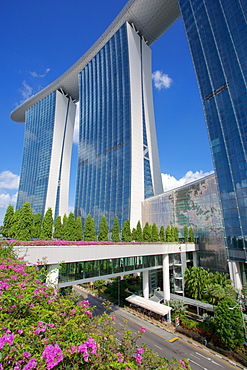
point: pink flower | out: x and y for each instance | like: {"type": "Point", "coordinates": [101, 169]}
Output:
{"type": "Point", "coordinates": [138, 358]}
{"type": "Point", "coordinates": [32, 364]}
{"type": "Point", "coordinates": [140, 351]}
{"type": "Point", "coordinates": [120, 357]}
{"type": "Point", "coordinates": [52, 355]}
{"type": "Point", "coordinates": [142, 330]}
{"type": "Point", "coordinates": [20, 331]}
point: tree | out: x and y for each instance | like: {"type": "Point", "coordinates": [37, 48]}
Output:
{"type": "Point", "coordinates": [25, 224]}
{"type": "Point", "coordinates": [65, 219]}
{"type": "Point", "coordinates": [37, 222]}
{"type": "Point", "coordinates": [7, 222]}
{"type": "Point", "coordinates": [115, 231]}
{"type": "Point", "coordinates": [186, 234]}
{"type": "Point", "coordinates": [78, 228]}
{"type": "Point", "coordinates": [172, 233]}
{"type": "Point", "coordinates": [168, 234]}
{"type": "Point", "coordinates": [133, 233]}
{"type": "Point", "coordinates": [162, 233]}
{"type": "Point", "coordinates": [47, 226]}
{"type": "Point", "coordinates": [69, 229]}
{"type": "Point", "coordinates": [58, 229]}
{"type": "Point", "coordinates": [229, 323]}
{"type": "Point", "coordinates": [126, 232]}
{"type": "Point", "coordinates": [176, 234]}
{"type": "Point", "coordinates": [103, 229]}
{"type": "Point", "coordinates": [14, 226]}
{"type": "Point", "coordinates": [139, 236]}
{"type": "Point", "coordinates": [155, 233]}
{"type": "Point", "coordinates": [196, 279]}
{"type": "Point", "coordinates": [89, 229]}
{"type": "Point", "coordinates": [191, 235]}
{"type": "Point", "coordinates": [147, 232]}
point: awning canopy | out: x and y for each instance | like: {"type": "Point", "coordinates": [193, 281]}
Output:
{"type": "Point", "coordinates": [155, 307]}
{"type": "Point", "coordinates": [193, 302]}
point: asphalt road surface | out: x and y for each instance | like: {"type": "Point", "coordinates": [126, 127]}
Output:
{"type": "Point", "coordinates": [165, 343]}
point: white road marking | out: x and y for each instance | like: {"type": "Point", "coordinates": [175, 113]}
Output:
{"type": "Point", "coordinates": [158, 347]}
{"type": "Point", "coordinates": [209, 359]}
{"type": "Point", "coordinates": [204, 368]}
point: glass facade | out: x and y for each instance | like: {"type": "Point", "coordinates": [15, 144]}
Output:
{"type": "Point", "coordinates": [37, 154]}
{"type": "Point", "coordinates": [105, 156]}
{"type": "Point", "coordinates": [93, 269]}
{"type": "Point", "coordinates": [196, 205]}
{"type": "Point", "coordinates": [216, 32]}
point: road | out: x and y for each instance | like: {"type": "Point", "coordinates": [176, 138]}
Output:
{"type": "Point", "coordinates": [165, 343]}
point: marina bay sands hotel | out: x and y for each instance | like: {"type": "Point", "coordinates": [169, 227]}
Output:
{"type": "Point", "coordinates": [118, 164]}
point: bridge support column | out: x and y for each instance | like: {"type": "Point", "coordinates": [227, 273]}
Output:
{"type": "Point", "coordinates": [52, 276]}
{"type": "Point", "coordinates": [145, 285]}
{"type": "Point", "coordinates": [166, 278]}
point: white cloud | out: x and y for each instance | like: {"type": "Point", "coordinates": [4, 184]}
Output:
{"type": "Point", "coordinates": [9, 180]}
{"type": "Point", "coordinates": [170, 182]}
{"type": "Point", "coordinates": [35, 74]}
{"type": "Point", "coordinates": [7, 199]}
{"type": "Point", "coordinates": [76, 128]}
{"type": "Point", "coordinates": [26, 91]}
{"type": "Point", "coordinates": [161, 80]}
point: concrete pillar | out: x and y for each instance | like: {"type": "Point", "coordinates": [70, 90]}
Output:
{"type": "Point", "coordinates": [235, 274]}
{"type": "Point", "coordinates": [52, 276]}
{"type": "Point", "coordinates": [145, 285]}
{"type": "Point", "coordinates": [166, 278]}
{"type": "Point", "coordinates": [195, 259]}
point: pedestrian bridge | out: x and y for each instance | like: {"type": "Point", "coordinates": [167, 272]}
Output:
{"type": "Point", "coordinates": [76, 264]}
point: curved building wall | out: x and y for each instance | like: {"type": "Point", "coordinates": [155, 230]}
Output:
{"type": "Point", "coordinates": [218, 46]}
{"type": "Point", "coordinates": [112, 177]}
{"type": "Point", "coordinates": [196, 205]}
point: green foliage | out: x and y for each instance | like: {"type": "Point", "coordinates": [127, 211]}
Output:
{"type": "Point", "coordinates": [186, 234]}
{"type": "Point", "coordinates": [162, 233]}
{"type": "Point", "coordinates": [7, 222]}
{"type": "Point", "coordinates": [37, 222]}
{"type": "Point", "coordinates": [14, 226]}
{"type": "Point", "coordinates": [89, 229]}
{"type": "Point", "coordinates": [47, 226]}
{"type": "Point", "coordinates": [191, 235]}
{"type": "Point", "coordinates": [177, 305]}
{"type": "Point", "coordinates": [115, 231]}
{"type": "Point", "coordinates": [103, 229]}
{"type": "Point", "coordinates": [229, 324]}
{"type": "Point", "coordinates": [133, 233]}
{"type": "Point", "coordinates": [65, 219]}
{"type": "Point", "coordinates": [126, 232]}
{"type": "Point", "coordinates": [78, 228]}
{"type": "Point", "coordinates": [139, 236]}
{"type": "Point", "coordinates": [25, 224]}
{"type": "Point", "coordinates": [155, 233]}
{"type": "Point", "coordinates": [176, 234]}
{"type": "Point", "coordinates": [58, 229]}
{"type": "Point", "coordinates": [244, 293]}
{"type": "Point", "coordinates": [147, 232]}
{"type": "Point", "coordinates": [38, 321]}
{"type": "Point", "coordinates": [168, 234]}
{"type": "Point", "coordinates": [69, 229]}
{"type": "Point", "coordinates": [172, 233]}
{"type": "Point", "coordinates": [196, 279]}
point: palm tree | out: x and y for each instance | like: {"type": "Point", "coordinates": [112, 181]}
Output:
{"type": "Point", "coordinates": [196, 278]}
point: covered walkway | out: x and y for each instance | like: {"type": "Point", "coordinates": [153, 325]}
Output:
{"type": "Point", "coordinates": [150, 307]}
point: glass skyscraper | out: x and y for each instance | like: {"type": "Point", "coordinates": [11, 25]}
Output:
{"type": "Point", "coordinates": [217, 36]}
{"type": "Point", "coordinates": [118, 158]}
{"type": "Point", "coordinates": [45, 171]}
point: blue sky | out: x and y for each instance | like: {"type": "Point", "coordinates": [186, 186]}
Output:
{"type": "Point", "coordinates": [41, 39]}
